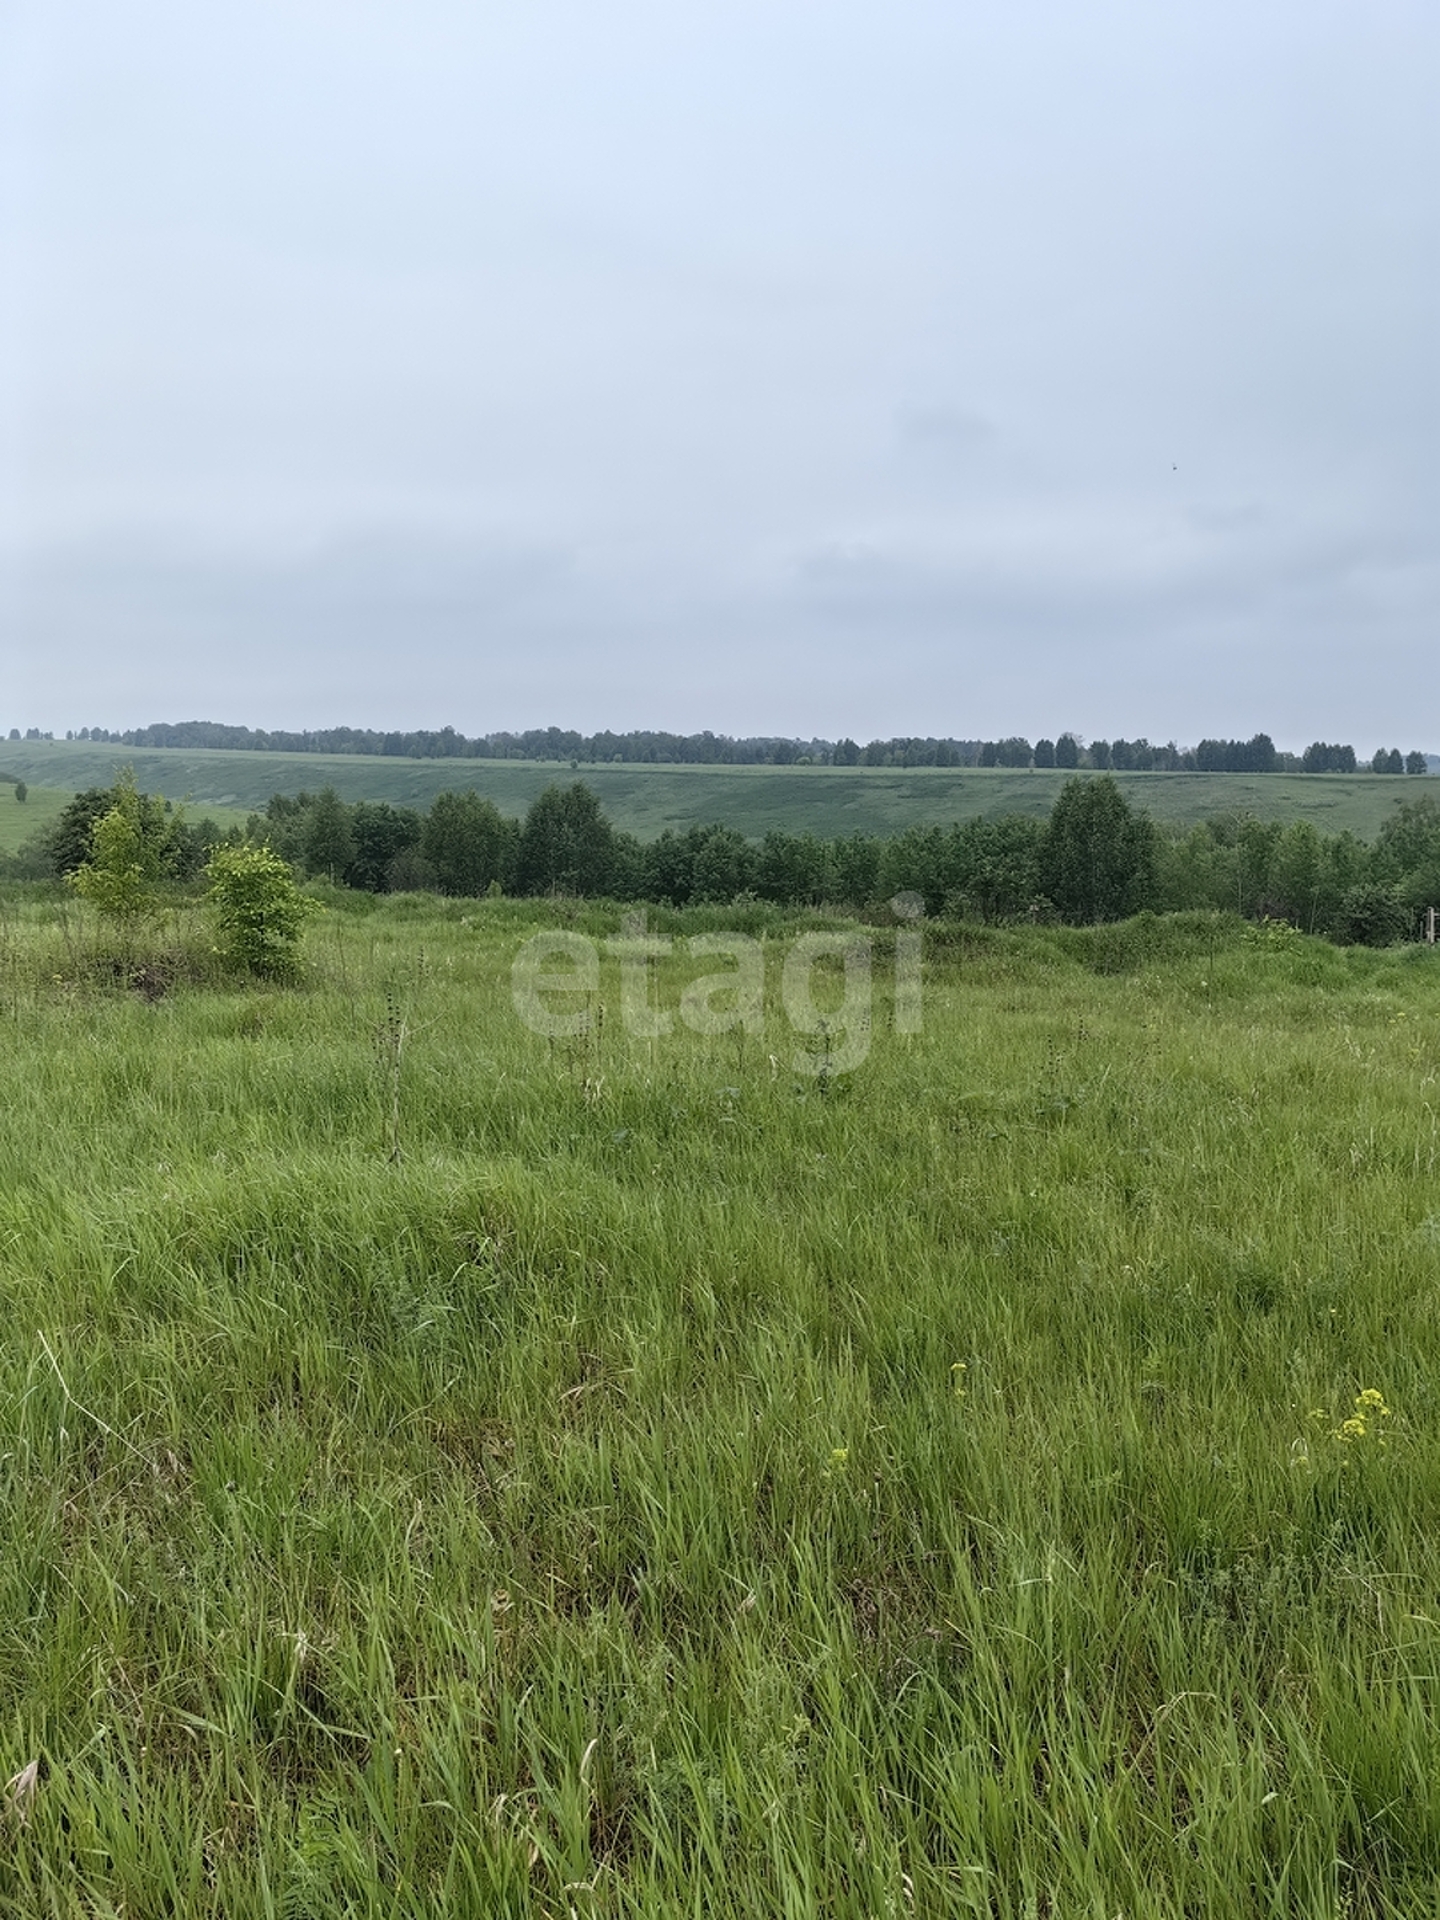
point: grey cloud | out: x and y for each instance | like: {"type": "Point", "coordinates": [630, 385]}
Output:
{"type": "Point", "coordinates": [1037, 594]}
{"type": "Point", "coordinates": [942, 429]}
{"type": "Point", "coordinates": [682, 366]}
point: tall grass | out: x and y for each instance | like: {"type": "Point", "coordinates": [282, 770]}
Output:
{"type": "Point", "coordinates": [671, 1483]}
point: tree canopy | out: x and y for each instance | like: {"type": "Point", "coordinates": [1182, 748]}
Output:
{"type": "Point", "coordinates": [1097, 858]}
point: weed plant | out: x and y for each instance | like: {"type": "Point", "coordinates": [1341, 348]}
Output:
{"type": "Point", "coordinates": [494, 1476]}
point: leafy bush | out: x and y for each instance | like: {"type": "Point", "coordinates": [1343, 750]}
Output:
{"type": "Point", "coordinates": [259, 909]}
{"type": "Point", "coordinates": [1374, 916]}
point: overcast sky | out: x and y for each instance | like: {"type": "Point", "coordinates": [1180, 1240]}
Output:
{"type": "Point", "coordinates": [804, 366]}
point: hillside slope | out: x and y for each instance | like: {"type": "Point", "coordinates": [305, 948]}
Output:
{"type": "Point", "coordinates": [646, 800]}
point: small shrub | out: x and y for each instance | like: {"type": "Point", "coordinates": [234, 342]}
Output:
{"type": "Point", "coordinates": [259, 910]}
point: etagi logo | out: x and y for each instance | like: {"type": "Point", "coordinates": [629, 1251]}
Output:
{"type": "Point", "coordinates": [553, 971]}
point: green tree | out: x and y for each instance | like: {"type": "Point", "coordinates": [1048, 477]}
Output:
{"type": "Point", "coordinates": [328, 846]}
{"type": "Point", "coordinates": [468, 843]}
{"type": "Point", "coordinates": [919, 860]}
{"type": "Point", "coordinates": [1297, 874]}
{"type": "Point", "coordinates": [1407, 852]}
{"type": "Point", "coordinates": [380, 833]}
{"type": "Point", "coordinates": [724, 865]}
{"type": "Point", "coordinates": [566, 845]}
{"type": "Point", "coordinates": [997, 866]}
{"type": "Point", "coordinates": [259, 910]}
{"type": "Point", "coordinates": [22, 792]}
{"type": "Point", "coordinates": [129, 846]}
{"type": "Point", "coordinates": [1195, 871]}
{"type": "Point", "coordinates": [852, 869]}
{"type": "Point", "coordinates": [669, 862]}
{"type": "Point", "coordinates": [1098, 855]}
{"type": "Point", "coordinates": [1374, 915]}
{"type": "Point", "coordinates": [69, 840]}
{"type": "Point", "coordinates": [119, 878]}
{"type": "Point", "coordinates": [284, 825]}
{"type": "Point", "coordinates": [1255, 845]}
{"type": "Point", "coordinates": [1409, 838]}
{"type": "Point", "coordinates": [793, 870]}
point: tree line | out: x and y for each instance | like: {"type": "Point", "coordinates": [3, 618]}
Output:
{"type": "Point", "coordinates": [1259, 754]}
{"type": "Point", "coordinates": [1095, 857]}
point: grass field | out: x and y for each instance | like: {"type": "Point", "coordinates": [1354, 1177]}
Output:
{"type": "Point", "coordinates": [645, 800]}
{"type": "Point", "coordinates": [22, 820]}
{"type": "Point", "coordinates": [449, 1470]}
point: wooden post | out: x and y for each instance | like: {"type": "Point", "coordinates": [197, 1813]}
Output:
{"type": "Point", "coordinates": [1430, 925]}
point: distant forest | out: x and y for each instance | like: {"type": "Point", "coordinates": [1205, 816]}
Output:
{"type": "Point", "coordinates": [644, 747]}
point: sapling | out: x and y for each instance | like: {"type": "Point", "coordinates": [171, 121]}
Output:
{"type": "Point", "coordinates": [259, 909]}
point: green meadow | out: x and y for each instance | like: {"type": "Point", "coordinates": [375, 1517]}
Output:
{"type": "Point", "coordinates": [644, 800]}
{"type": "Point", "coordinates": [22, 820]}
{"type": "Point", "coordinates": [453, 1470]}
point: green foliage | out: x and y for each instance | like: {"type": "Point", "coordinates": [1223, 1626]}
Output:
{"type": "Point", "coordinates": [797, 869]}
{"type": "Point", "coordinates": [724, 866]}
{"type": "Point", "coordinates": [118, 878]}
{"type": "Point", "coordinates": [1297, 875]}
{"type": "Point", "coordinates": [1100, 852]}
{"type": "Point", "coordinates": [468, 844]}
{"type": "Point", "coordinates": [22, 792]}
{"type": "Point", "coordinates": [1099, 856]}
{"type": "Point", "coordinates": [328, 841]}
{"type": "Point", "coordinates": [1407, 852]}
{"type": "Point", "coordinates": [386, 841]}
{"type": "Point", "coordinates": [1375, 915]}
{"type": "Point", "coordinates": [130, 844]}
{"type": "Point", "coordinates": [167, 846]}
{"type": "Point", "coordinates": [259, 910]}
{"type": "Point", "coordinates": [996, 867]}
{"type": "Point", "coordinates": [69, 840]}
{"type": "Point", "coordinates": [566, 845]}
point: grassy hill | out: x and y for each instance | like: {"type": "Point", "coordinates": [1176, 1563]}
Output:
{"type": "Point", "coordinates": [645, 800]}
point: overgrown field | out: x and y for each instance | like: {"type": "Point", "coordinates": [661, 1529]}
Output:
{"type": "Point", "coordinates": [451, 1470]}
{"type": "Point", "coordinates": [645, 800]}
